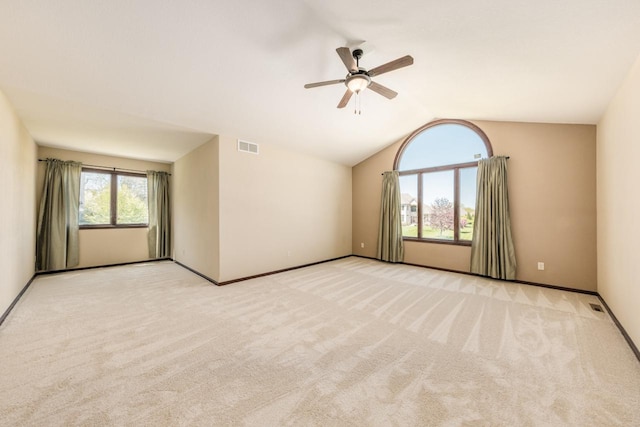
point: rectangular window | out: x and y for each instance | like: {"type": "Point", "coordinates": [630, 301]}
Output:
{"type": "Point", "coordinates": [113, 199]}
{"type": "Point", "coordinates": [445, 203]}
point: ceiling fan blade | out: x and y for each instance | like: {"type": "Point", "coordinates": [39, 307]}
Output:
{"type": "Point", "coordinates": [347, 59]}
{"type": "Point", "coordinates": [390, 66]}
{"type": "Point", "coordinates": [345, 99]}
{"type": "Point", "coordinates": [383, 90]}
{"type": "Point", "coordinates": [327, 83]}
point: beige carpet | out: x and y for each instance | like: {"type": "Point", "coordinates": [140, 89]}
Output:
{"type": "Point", "coordinates": [351, 342]}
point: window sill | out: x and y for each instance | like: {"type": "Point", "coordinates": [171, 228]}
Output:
{"type": "Point", "coordinates": [442, 242]}
{"type": "Point", "coordinates": [107, 226]}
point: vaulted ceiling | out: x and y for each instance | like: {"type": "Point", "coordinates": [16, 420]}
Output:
{"type": "Point", "coordinates": [153, 79]}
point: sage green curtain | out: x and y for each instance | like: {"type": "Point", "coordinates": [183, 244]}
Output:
{"type": "Point", "coordinates": [159, 237]}
{"type": "Point", "coordinates": [390, 245]}
{"type": "Point", "coordinates": [57, 235]}
{"type": "Point", "coordinates": [492, 251]}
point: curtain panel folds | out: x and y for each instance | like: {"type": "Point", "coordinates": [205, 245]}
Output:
{"type": "Point", "coordinates": [58, 217]}
{"type": "Point", "coordinates": [492, 250]}
{"type": "Point", "coordinates": [390, 244]}
{"type": "Point", "coordinates": [159, 238]}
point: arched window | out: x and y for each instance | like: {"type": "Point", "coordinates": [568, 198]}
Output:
{"type": "Point", "coordinates": [437, 165]}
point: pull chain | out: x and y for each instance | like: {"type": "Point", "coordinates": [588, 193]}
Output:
{"type": "Point", "coordinates": [357, 104]}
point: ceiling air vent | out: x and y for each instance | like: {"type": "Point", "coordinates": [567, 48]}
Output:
{"type": "Point", "coordinates": [247, 147]}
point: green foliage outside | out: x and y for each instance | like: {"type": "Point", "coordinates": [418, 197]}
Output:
{"type": "Point", "coordinates": [95, 198]}
{"type": "Point", "coordinates": [132, 200]}
{"type": "Point", "coordinates": [132, 208]}
{"type": "Point", "coordinates": [95, 210]}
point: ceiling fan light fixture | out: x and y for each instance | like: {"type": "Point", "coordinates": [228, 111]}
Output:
{"type": "Point", "coordinates": [358, 82]}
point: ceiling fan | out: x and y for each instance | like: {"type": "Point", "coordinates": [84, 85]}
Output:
{"type": "Point", "coordinates": [359, 78]}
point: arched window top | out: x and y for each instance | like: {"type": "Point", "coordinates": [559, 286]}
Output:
{"type": "Point", "coordinates": [443, 143]}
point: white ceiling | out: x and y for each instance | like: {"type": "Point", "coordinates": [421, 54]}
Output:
{"type": "Point", "coordinates": [153, 79]}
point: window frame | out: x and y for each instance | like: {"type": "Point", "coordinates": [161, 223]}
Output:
{"type": "Point", "coordinates": [113, 203]}
{"type": "Point", "coordinates": [456, 179]}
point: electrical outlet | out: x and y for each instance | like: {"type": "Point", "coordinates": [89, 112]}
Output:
{"type": "Point", "coordinates": [540, 265]}
{"type": "Point", "coordinates": [362, 245]}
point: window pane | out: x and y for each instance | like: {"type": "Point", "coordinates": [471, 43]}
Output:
{"type": "Point", "coordinates": [409, 205]}
{"type": "Point", "coordinates": [442, 145]}
{"type": "Point", "coordinates": [437, 211]}
{"type": "Point", "coordinates": [467, 202]}
{"type": "Point", "coordinates": [95, 198]}
{"type": "Point", "coordinates": [132, 200]}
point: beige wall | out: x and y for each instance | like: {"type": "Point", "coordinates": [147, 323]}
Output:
{"type": "Point", "coordinates": [552, 195]}
{"type": "Point", "coordinates": [196, 239]}
{"type": "Point", "coordinates": [619, 204]}
{"type": "Point", "coordinates": [104, 246]}
{"type": "Point", "coordinates": [280, 209]}
{"type": "Point", "coordinates": [17, 211]}
{"type": "Point", "coordinates": [238, 214]}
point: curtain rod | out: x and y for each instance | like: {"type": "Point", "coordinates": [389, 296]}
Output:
{"type": "Point", "coordinates": [107, 168]}
{"type": "Point", "coordinates": [505, 156]}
